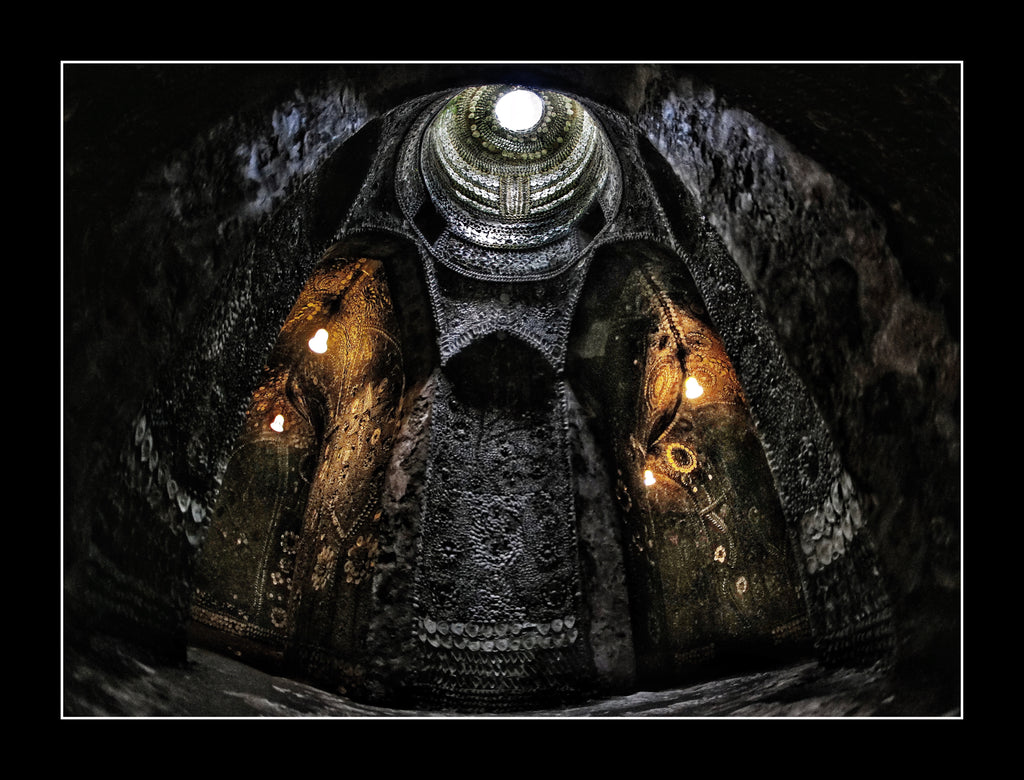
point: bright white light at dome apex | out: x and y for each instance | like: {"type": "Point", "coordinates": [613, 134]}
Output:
{"type": "Point", "coordinates": [519, 109]}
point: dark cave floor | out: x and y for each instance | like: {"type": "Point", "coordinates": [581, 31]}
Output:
{"type": "Point", "coordinates": [114, 683]}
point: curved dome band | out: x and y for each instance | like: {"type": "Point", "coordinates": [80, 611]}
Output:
{"type": "Point", "coordinates": [498, 187]}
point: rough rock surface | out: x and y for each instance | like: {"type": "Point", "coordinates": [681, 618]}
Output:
{"type": "Point", "coordinates": [108, 681]}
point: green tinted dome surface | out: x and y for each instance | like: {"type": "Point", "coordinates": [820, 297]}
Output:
{"type": "Point", "coordinates": [498, 186]}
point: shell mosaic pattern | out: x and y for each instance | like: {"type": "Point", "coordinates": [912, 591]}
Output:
{"type": "Point", "coordinates": [498, 637]}
{"type": "Point", "coordinates": [491, 261]}
{"type": "Point", "coordinates": [504, 188]}
{"type": "Point", "coordinates": [503, 681]}
{"type": "Point", "coordinates": [804, 463]}
{"type": "Point", "coordinates": [498, 544]}
{"type": "Point", "coordinates": [539, 314]}
{"type": "Point", "coordinates": [295, 538]}
{"type": "Point", "coordinates": [497, 569]}
{"type": "Point", "coordinates": [471, 673]}
{"type": "Point", "coordinates": [826, 531]}
{"type": "Point", "coordinates": [152, 476]}
{"type": "Point", "coordinates": [710, 518]}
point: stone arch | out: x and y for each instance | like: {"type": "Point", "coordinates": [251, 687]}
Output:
{"type": "Point", "coordinates": [714, 575]}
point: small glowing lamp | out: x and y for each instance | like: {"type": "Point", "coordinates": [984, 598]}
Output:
{"type": "Point", "coordinates": [519, 110]}
{"type": "Point", "coordinates": [319, 342]}
{"type": "Point", "coordinates": [693, 388]}
{"type": "Point", "coordinates": [278, 424]}
{"type": "Point", "coordinates": [649, 478]}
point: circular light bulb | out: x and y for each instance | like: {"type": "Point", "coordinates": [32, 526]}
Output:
{"type": "Point", "coordinates": [693, 388]}
{"type": "Point", "coordinates": [519, 110]}
{"type": "Point", "coordinates": [319, 342]}
{"type": "Point", "coordinates": [278, 424]}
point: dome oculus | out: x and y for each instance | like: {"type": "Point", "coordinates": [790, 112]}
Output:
{"type": "Point", "coordinates": [512, 168]}
{"type": "Point", "coordinates": [519, 110]}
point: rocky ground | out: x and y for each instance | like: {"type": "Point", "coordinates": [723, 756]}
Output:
{"type": "Point", "coordinates": [112, 683]}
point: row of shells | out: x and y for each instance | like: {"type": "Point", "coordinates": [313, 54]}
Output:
{"type": "Point", "coordinates": [501, 644]}
{"type": "Point", "coordinates": [826, 530]}
{"type": "Point", "coordinates": [488, 630]}
{"type": "Point", "coordinates": [193, 517]}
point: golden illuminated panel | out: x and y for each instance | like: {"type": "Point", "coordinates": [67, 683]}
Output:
{"type": "Point", "coordinates": [711, 567]}
{"type": "Point", "coordinates": [243, 575]}
{"type": "Point", "coordinates": [304, 487]}
{"type": "Point", "coordinates": [686, 370]}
